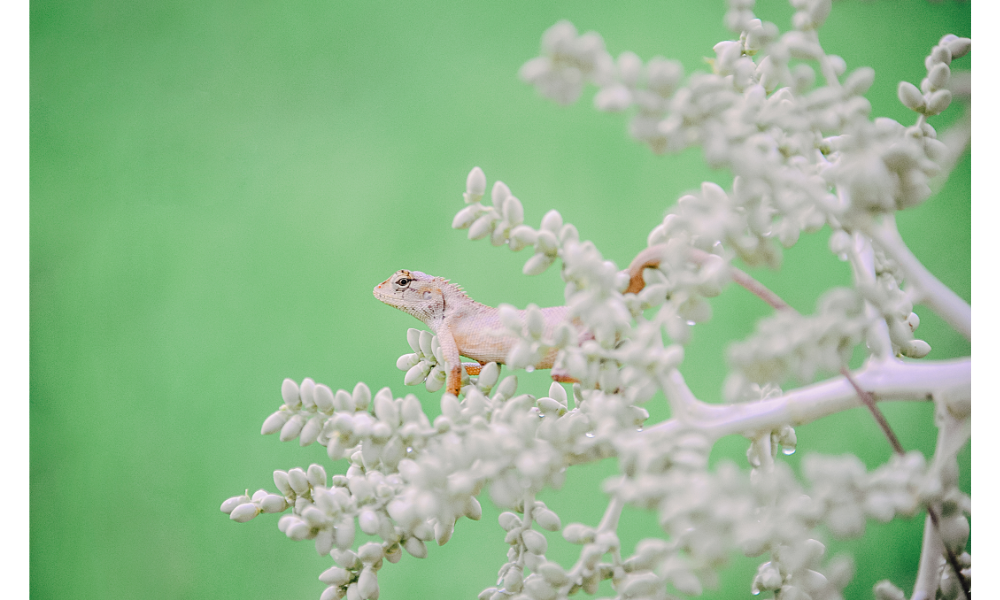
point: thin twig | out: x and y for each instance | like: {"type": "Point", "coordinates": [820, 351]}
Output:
{"type": "Point", "coordinates": [879, 417]}
{"type": "Point", "coordinates": [651, 257]}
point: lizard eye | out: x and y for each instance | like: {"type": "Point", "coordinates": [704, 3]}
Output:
{"type": "Point", "coordinates": [403, 282]}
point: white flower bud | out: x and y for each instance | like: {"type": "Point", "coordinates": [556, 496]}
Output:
{"type": "Point", "coordinates": [508, 386]}
{"type": "Point", "coordinates": [368, 584]}
{"type": "Point", "coordinates": [534, 541]}
{"type": "Point", "coordinates": [885, 590]}
{"type": "Point", "coordinates": [316, 475]}
{"type": "Point", "coordinates": [552, 221]}
{"type": "Point", "coordinates": [362, 396]}
{"type": "Point", "coordinates": [938, 76]}
{"type": "Point", "coordinates": [323, 541]}
{"type": "Point", "coordinates": [290, 430]}
{"type": "Point", "coordinates": [546, 242]}
{"type": "Point", "coordinates": [614, 98]}
{"type": "Point", "coordinates": [290, 393]}
{"type": "Point", "coordinates": [959, 47]}
{"type": "Point", "coordinates": [466, 216]}
{"type": "Point", "coordinates": [513, 579]}
{"type": "Point", "coordinates": [342, 401]}
{"type": "Point", "coordinates": [385, 408]}
{"type": "Point", "coordinates": [537, 588]}
{"type": "Point", "coordinates": [443, 532]}
{"type": "Point", "coordinates": [275, 422]}
{"type": "Point", "coordinates": [686, 582]}
{"type": "Point", "coordinates": [333, 592]}
{"type": "Point", "coordinates": [370, 552]}
{"type": "Point", "coordinates": [547, 519]}
{"type": "Point", "coordinates": [578, 533]}
{"type": "Point", "coordinates": [475, 185]}
{"type": "Point", "coordinates": [417, 373]}
{"type": "Point", "coordinates": [426, 343]}
{"type": "Point", "coordinates": [509, 521]}
{"type": "Point", "coordinates": [404, 362]}
{"type": "Point", "coordinates": [537, 264]}
{"type": "Point", "coordinates": [310, 431]}
{"type": "Point", "coordinates": [415, 547]}
{"type": "Point", "coordinates": [499, 193]}
{"type": "Point", "coordinates": [297, 480]}
{"type": "Point", "coordinates": [323, 396]}
{"type": "Point", "coordinates": [642, 584]}
{"type": "Point", "coordinates": [938, 101]}
{"type": "Point", "coordinates": [473, 509]}
{"type": "Point", "coordinates": [335, 576]}
{"type": "Point", "coordinates": [859, 81]}
{"type": "Point", "coordinates": [513, 211]}
{"type": "Point", "coordinates": [244, 512]}
{"type": "Point", "coordinates": [915, 349]}
{"type": "Point", "coordinates": [482, 226]}
{"type": "Point", "coordinates": [273, 503]}
{"type": "Point", "coordinates": [344, 537]}
{"type": "Point", "coordinates": [911, 97]}
{"type": "Point", "coordinates": [230, 504]}
{"type": "Point", "coordinates": [307, 393]}
{"type": "Point", "coordinates": [534, 321]}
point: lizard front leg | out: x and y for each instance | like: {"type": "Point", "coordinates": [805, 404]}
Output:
{"type": "Point", "coordinates": [450, 351]}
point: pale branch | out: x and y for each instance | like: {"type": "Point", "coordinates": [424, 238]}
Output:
{"type": "Point", "coordinates": [888, 380]}
{"type": "Point", "coordinates": [930, 291]}
{"type": "Point", "coordinates": [929, 572]}
{"type": "Point", "coordinates": [952, 436]}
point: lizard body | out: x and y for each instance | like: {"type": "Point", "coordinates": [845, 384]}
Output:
{"type": "Point", "coordinates": [463, 326]}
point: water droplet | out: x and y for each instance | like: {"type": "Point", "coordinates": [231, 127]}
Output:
{"type": "Point", "coordinates": [590, 434]}
{"type": "Point", "coordinates": [409, 449]}
{"type": "Point", "coordinates": [755, 591]}
{"type": "Point", "coordinates": [787, 451]}
{"type": "Point", "coordinates": [529, 368]}
{"type": "Point", "coordinates": [690, 322]}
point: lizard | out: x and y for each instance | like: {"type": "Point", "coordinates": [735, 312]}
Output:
{"type": "Point", "coordinates": [467, 328]}
{"type": "Point", "coordinates": [463, 326]}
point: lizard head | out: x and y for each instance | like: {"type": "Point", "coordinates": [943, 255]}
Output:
{"type": "Point", "coordinates": [414, 293]}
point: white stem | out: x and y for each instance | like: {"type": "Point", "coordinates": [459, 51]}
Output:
{"type": "Point", "coordinates": [929, 573]}
{"type": "Point", "coordinates": [888, 380]}
{"type": "Point", "coordinates": [952, 436]}
{"type": "Point", "coordinates": [939, 297]}
{"type": "Point", "coordinates": [684, 406]}
{"type": "Point", "coordinates": [862, 258]}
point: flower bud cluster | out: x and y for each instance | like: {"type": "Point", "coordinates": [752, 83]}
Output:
{"type": "Point", "coordinates": [934, 96]}
{"type": "Point", "coordinates": [796, 571]}
{"type": "Point", "coordinates": [568, 61]}
{"type": "Point", "coordinates": [426, 364]}
{"type": "Point", "coordinates": [896, 307]}
{"type": "Point", "coordinates": [845, 494]}
{"type": "Point", "coordinates": [787, 344]}
{"type": "Point", "coordinates": [787, 143]}
{"type": "Point", "coordinates": [526, 571]}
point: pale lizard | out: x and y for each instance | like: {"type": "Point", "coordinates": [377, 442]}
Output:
{"type": "Point", "coordinates": [467, 328]}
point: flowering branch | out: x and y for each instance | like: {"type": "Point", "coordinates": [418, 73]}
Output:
{"type": "Point", "coordinates": [803, 158]}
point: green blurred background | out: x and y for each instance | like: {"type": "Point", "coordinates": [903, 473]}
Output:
{"type": "Point", "coordinates": [217, 186]}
